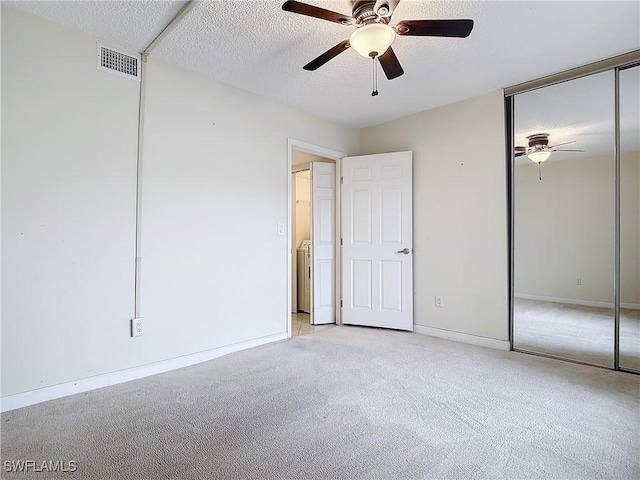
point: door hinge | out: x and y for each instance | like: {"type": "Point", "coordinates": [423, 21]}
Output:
{"type": "Point", "coordinates": [341, 303]}
{"type": "Point", "coordinates": [341, 180]}
{"type": "Point", "coordinates": [341, 241]}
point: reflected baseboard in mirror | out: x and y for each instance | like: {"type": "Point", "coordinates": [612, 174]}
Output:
{"type": "Point", "coordinates": [576, 332]}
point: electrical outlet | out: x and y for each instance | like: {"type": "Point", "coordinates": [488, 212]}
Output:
{"type": "Point", "coordinates": [579, 281]}
{"type": "Point", "coordinates": [137, 327]}
{"type": "Point", "coordinates": [439, 301]}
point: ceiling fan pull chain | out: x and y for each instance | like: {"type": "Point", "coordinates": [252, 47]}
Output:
{"type": "Point", "coordinates": [375, 77]}
{"type": "Point", "coordinates": [539, 174]}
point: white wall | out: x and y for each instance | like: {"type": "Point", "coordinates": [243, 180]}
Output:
{"type": "Point", "coordinates": [565, 225]}
{"type": "Point", "coordinates": [214, 270]}
{"type": "Point", "coordinates": [303, 208]}
{"type": "Point", "coordinates": [460, 234]}
{"type": "Point", "coordinates": [68, 189]}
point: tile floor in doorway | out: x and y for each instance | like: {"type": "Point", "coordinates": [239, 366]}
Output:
{"type": "Point", "coordinates": [300, 325]}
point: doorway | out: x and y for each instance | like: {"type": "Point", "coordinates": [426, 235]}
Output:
{"type": "Point", "coordinates": [314, 230]}
{"type": "Point", "coordinates": [361, 259]}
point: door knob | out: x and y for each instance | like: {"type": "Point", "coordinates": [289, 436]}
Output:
{"type": "Point", "coordinates": [406, 251]}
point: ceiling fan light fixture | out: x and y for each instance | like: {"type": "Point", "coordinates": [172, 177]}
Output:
{"type": "Point", "coordinates": [538, 156]}
{"type": "Point", "coordinates": [372, 40]}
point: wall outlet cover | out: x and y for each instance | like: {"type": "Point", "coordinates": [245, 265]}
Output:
{"type": "Point", "coordinates": [137, 327]}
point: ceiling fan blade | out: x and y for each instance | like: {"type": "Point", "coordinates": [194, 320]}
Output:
{"type": "Point", "coordinates": [519, 154]}
{"type": "Point", "coordinates": [328, 55]}
{"type": "Point", "coordinates": [435, 28]}
{"type": "Point", "coordinates": [565, 143]}
{"type": "Point", "coordinates": [317, 12]}
{"type": "Point", "coordinates": [563, 150]}
{"type": "Point", "coordinates": [390, 64]}
{"type": "Point", "coordinates": [521, 149]}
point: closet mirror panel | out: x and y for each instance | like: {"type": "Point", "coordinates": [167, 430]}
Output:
{"type": "Point", "coordinates": [629, 82]}
{"type": "Point", "coordinates": [564, 220]}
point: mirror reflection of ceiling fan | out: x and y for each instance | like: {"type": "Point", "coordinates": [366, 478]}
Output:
{"type": "Point", "coordinates": [373, 35]}
{"type": "Point", "coordinates": [539, 149]}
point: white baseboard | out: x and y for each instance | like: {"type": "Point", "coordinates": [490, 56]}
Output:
{"type": "Point", "coordinates": [463, 337]}
{"type": "Point", "coordinates": [32, 397]}
{"type": "Point", "coordinates": [575, 301]}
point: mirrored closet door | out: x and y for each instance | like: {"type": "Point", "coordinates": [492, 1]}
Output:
{"type": "Point", "coordinates": [575, 216]}
{"type": "Point", "coordinates": [564, 222]}
{"type": "Point", "coordinates": [629, 344]}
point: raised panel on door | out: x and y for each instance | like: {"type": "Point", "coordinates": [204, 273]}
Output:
{"type": "Point", "coordinates": [361, 216]}
{"type": "Point", "coordinates": [377, 283]}
{"type": "Point", "coordinates": [361, 284]}
{"type": "Point", "coordinates": [391, 286]}
{"type": "Point", "coordinates": [391, 215]}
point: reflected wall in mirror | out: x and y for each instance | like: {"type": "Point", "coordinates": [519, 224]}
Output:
{"type": "Point", "coordinates": [630, 219]}
{"type": "Point", "coordinates": [564, 220]}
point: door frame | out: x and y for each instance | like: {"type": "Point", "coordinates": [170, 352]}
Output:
{"type": "Point", "coordinates": [335, 155]}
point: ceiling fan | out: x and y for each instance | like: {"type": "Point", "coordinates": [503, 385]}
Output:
{"type": "Point", "coordinates": [539, 149]}
{"type": "Point", "coordinates": [373, 35]}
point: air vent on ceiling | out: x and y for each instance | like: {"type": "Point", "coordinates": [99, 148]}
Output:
{"type": "Point", "coordinates": [120, 63]}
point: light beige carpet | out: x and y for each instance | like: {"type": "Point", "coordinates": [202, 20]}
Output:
{"type": "Point", "coordinates": [345, 402]}
{"type": "Point", "coordinates": [576, 332]}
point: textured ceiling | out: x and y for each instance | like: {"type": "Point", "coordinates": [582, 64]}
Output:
{"type": "Point", "coordinates": [130, 24]}
{"type": "Point", "coordinates": [258, 47]}
{"type": "Point", "coordinates": [582, 110]}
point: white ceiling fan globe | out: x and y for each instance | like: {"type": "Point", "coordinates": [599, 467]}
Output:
{"type": "Point", "coordinates": [539, 155]}
{"type": "Point", "coordinates": [373, 39]}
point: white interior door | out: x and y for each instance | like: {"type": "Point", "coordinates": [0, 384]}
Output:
{"type": "Point", "coordinates": [323, 220]}
{"type": "Point", "coordinates": [377, 231]}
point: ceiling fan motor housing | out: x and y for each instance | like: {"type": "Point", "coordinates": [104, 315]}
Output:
{"type": "Point", "coordinates": [364, 12]}
{"type": "Point", "coordinates": [538, 140]}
